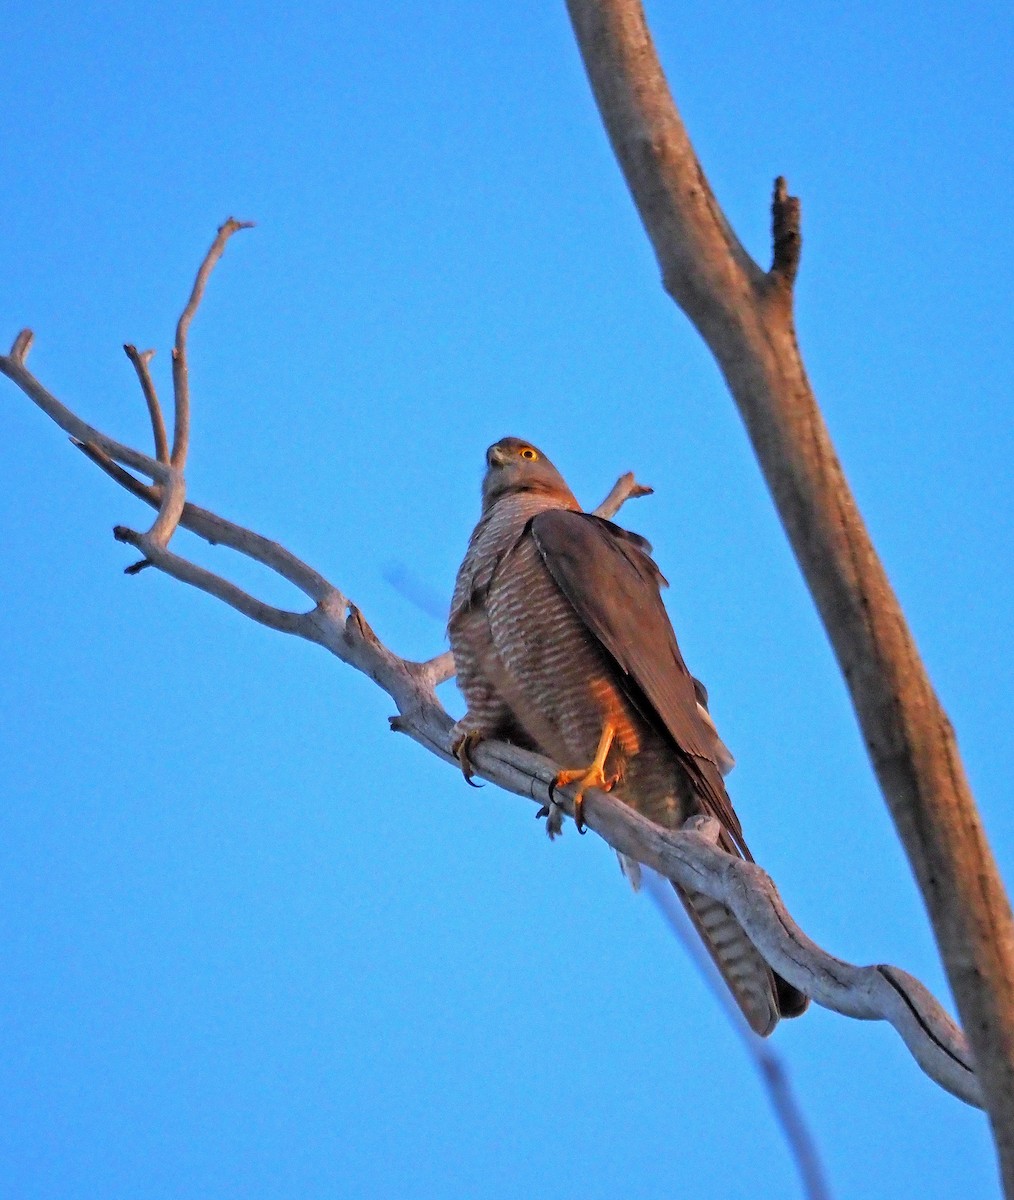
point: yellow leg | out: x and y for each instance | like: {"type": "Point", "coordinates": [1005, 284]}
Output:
{"type": "Point", "coordinates": [593, 776]}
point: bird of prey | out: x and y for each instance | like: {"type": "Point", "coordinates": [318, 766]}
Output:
{"type": "Point", "coordinates": [562, 645]}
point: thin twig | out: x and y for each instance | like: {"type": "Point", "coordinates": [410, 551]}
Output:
{"type": "Point", "coordinates": [181, 380]}
{"type": "Point", "coordinates": [141, 359]}
{"type": "Point", "coordinates": [624, 489]}
{"type": "Point", "coordinates": [207, 581]}
{"type": "Point", "coordinates": [174, 490]}
{"type": "Point", "coordinates": [13, 366]}
{"type": "Point", "coordinates": [217, 530]}
{"type": "Point", "coordinates": [439, 669]}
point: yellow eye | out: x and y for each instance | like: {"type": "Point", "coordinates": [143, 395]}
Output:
{"type": "Point", "coordinates": [529, 453]}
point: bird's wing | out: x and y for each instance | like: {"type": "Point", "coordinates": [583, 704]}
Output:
{"type": "Point", "coordinates": [610, 580]}
{"type": "Point", "coordinates": [721, 752]}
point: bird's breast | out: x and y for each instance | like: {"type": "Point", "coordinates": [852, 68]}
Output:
{"type": "Point", "coordinates": [568, 687]}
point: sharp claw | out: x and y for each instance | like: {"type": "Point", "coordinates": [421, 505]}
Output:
{"type": "Point", "coordinates": [590, 780]}
{"type": "Point", "coordinates": [460, 752]}
{"type": "Point", "coordinates": [579, 813]}
{"type": "Point", "coordinates": [592, 776]}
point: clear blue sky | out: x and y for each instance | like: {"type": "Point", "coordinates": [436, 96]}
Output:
{"type": "Point", "coordinates": [252, 943]}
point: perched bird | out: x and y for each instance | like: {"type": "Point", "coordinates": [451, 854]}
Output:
{"type": "Point", "coordinates": [562, 645]}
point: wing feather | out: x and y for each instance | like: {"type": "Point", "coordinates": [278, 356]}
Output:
{"type": "Point", "coordinates": [613, 585]}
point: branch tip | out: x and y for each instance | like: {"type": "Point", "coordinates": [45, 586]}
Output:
{"type": "Point", "coordinates": [785, 233]}
{"type": "Point", "coordinates": [436, 670]}
{"type": "Point", "coordinates": [181, 385]}
{"type": "Point", "coordinates": [22, 344]}
{"type": "Point", "coordinates": [138, 567]}
{"type": "Point", "coordinates": [140, 360]}
{"type": "Point", "coordinates": [624, 489]}
{"type": "Point", "coordinates": [138, 356]}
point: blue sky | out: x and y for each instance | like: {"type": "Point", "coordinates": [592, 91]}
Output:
{"type": "Point", "coordinates": [255, 945]}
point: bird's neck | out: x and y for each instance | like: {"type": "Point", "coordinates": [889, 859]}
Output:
{"type": "Point", "coordinates": [524, 501]}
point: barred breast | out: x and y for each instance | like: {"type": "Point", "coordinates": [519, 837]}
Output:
{"type": "Point", "coordinates": [489, 690]}
{"type": "Point", "coordinates": [566, 690]}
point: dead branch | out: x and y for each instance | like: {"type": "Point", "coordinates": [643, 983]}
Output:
{"type": "Point", "coordinates": [624, 489]}
{"type": "Point", "coordinates": [141, 359]}
{"type": "Point", "coordinates": [745, 316]}
{"type": "Point", "coordinates": [688, 856]}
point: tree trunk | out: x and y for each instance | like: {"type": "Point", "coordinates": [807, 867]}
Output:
{"type": "Point", "coordinates": [745, 316]}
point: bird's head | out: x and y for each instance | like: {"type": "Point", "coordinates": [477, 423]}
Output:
{"type": "Point", "coordinates": [514, 465]}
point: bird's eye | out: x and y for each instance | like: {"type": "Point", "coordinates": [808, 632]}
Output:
{"type": "Point", "coordinates": [529, 453]}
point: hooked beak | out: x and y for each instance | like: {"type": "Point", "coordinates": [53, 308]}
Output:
{"type": "Point", "coordinates": [495, 457]}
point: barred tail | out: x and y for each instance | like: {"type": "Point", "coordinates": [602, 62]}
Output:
{"type": "Point", "coordinates": [763, 996]}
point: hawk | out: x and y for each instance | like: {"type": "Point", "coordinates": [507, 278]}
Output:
{"type": "Point", "coordinates": [562, 645]}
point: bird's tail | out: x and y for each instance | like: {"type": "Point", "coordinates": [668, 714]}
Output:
{"type": "Point", "coordinates": [763, 996]}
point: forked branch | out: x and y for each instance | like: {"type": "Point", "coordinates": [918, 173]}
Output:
{"type": "Point", "coordinates": [687, 856]}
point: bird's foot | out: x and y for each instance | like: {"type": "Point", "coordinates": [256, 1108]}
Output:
{"type": "Point", "coordinates": [554, 818]}
{"type": "Point", "coordinates": [585, 778]}
{"type": "Point", "coordinates": [593, 776]}
{"type": "Point", "coordinates": [462, 747]}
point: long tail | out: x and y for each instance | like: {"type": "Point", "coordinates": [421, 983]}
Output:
{"type": "Point", "coordinates": [763, 996]}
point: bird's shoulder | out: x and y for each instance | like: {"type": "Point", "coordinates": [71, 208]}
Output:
{"type": "Point", "coordinates": [582, 537]}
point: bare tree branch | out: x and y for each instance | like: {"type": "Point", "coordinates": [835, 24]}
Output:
{"type": "Point", "coordinates": [745, 316]}
{"type": "Point", "coordinates": [688, 856]}
{"type": "Point", "coordinates": [218, 531]}
{"type": "Point", "coordinates": [181, 378]}
{"type": "Point", "coordinates": [13, 366]}
{"type": "Point", "coordinates": [141, 359]}
{"type": "Point", "coordinates": [207, 581]}
{"type": "Point", "coordinates": [624, 489]}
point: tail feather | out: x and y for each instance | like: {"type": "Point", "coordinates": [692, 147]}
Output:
{"type": "Point", "coordinates": [763, 996]}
